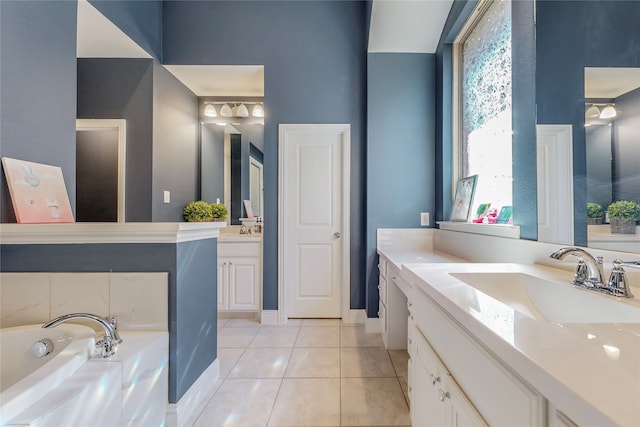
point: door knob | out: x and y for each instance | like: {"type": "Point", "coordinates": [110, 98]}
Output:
{"type": "Point", "coordinates": [337, 234]}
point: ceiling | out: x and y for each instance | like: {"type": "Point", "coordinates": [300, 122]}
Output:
{"type": "Point", "coordinates": [609, 83]}
{"type": "Point", "coordinates": [411, 26]}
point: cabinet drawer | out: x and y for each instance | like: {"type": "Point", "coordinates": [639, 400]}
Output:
{"type": "Point", "coordinates": [511, 401]}
{"type": "Point", "coordinates": [382, 266]}
{"type": "Point", "coordinates": [248, 249]}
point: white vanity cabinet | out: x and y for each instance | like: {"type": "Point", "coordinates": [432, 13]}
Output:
{"type": "Point", "coordinates": [445, 360]}
{"type": "Point", "coordinates": [239, 275]}
{"type": "Point", "coordinates": [392, 307]}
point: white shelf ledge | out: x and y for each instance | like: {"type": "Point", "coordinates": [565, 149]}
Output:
{"type": "Point", "coordinates": [108, 232]}
{"type": "Point", "coordinates": [497, 230]}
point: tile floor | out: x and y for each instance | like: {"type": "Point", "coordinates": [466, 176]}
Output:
{"type": "Point", "coordinates": [312, 372]}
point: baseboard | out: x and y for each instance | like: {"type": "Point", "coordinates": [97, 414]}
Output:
{"type": "Point", "coordinates": [186, 411]}
{"type": "Point", "coordinates": [269, 317]}
{"type": "Point", "coordinates": [372, 325]}
{"type": "Point", "coordinates": [355, 317]}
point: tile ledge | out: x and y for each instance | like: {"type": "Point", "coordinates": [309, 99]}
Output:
{"type": "Point", "coordinates": [127, 232]}
{"type": "Point", "coordinates": [497, 230]}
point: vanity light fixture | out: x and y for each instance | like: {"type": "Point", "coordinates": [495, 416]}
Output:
{"type": "Point", "coordinates": [210, 110]}
{"type": "Point", "coordinates": [608, 112]}
{"type": "Point", "coordinates": [592, 112]}
{"type": "Point", "coordinates": [241, 111]}
{"type": "Point", "coordinates": [258, 111]}
{"type": "Point", "coordinates": [225, 111]}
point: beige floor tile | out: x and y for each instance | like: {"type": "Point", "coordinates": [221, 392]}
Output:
{"type": "Point", "coordinates": [240, 403]}
{"type": "Point", "coordinates": [399, 358]}
{"type": "Point", "coordinates": [365, 362]}
{"type": "Point", "coordinates": [355, 336]}
{"type": "Point", "coordinates": [307, 402]}
{"type": "Point", "coordinates": [372, 401]}
{"type": "Point", "coordinates": [235, 337]}
{"type": "Point", "coordinates": [261, 363]}
{"type": "Point", "coordinates": [405, 390]}
{"type": "Point", "coordinates": [318, 336]}
{"type": "Point", "coordinates": [275, 336]}
{"type": "Point", "coordinates": [228, 358]}
{"type": "Point", "coordinates": [234, 323]}
{"type": "Point", "coordinates": [314, 363]}
{"type": "Point", "coordinates": [321, 322]}
{"type": "Point", "coordinates": [294, 322]}
{"type": "Point", "coordinates": [222, 322]}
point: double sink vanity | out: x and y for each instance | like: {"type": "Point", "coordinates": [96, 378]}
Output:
{"type": "Point", "coordinates": [506, 343]}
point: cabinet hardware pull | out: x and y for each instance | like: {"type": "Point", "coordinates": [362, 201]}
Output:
{"type": "Point", "coordinates": [443, 395]}
{"type": "Point", "coordinates": [337, 234]}
{"type": "Point", "coordinates": [434, 379]}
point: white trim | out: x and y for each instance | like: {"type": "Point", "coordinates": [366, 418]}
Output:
{"type": "Point", "coordinates": [345, 131]}
{"type": "Point", "coordinates": [269, 317]}
{"type": "Point", "coordinates": [109, 232]}
{"type": "Point", "coordinates": [373, 325]}
{"type": "Point", "coordinates": [355, 317]}
{"type": "Point", "coordinates": [186, 411]}
{"type": "Point", "coordinates": [121, 126]}
{"type": "Point", "coordinates": [498, 230]}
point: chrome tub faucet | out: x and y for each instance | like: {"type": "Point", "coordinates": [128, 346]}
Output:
{"type": "Point", "coordinates": [108, 342]}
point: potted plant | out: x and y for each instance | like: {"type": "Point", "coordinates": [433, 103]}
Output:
{"type": "Point", "coordinates": [594, 213]}
{"type": "Point", "coordinates": [218, 212]}
{"type": "Point", "coordinates": [623, 215]}
{"type": "Point", "coordinates": [197, 211]}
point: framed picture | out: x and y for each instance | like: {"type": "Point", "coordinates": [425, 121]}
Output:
{"type": "Point", "coordinates": [248, 208]}
{"type": "Point", "coordinates": [38, 193]}
{"type": "Point", "coordinates": [464, 198]}
{"type": "Point", "coordinates": [504, 217]}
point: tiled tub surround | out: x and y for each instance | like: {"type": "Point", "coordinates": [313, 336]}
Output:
{"type": "Point", "coordinates": [129, 388]}
{"type": "Point", "coordinates": [138, 300]}
{"type": "Point", "coordinates": [187, 251]}
{"type": "Point", "coordinates": [588, 371]}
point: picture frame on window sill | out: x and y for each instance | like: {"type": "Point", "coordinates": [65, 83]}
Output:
{"type": "Point", "coordinates": [463, 200]}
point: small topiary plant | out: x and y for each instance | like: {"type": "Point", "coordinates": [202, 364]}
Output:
{"type": "Point", "coordinates": [594, 210]}
{"type": "Point", "coordinates": [197, 211]}
{"type": "Point", "coordinates": [625, 210]}
{"type": "Point", "coordinates": [219, 211]}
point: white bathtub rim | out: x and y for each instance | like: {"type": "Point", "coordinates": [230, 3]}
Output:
{"type": "Point", "coordinates": [38, 383]}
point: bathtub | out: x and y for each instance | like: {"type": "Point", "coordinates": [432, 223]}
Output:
{"type": "Point", "coordinates": [74, 387]}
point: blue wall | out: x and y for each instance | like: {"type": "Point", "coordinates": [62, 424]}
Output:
{"type": "Point", "coordinates": [38, 88]}
{"type": "Point", "coordinates": [314, 53]}
{"type": "Point", "coordinates": [192, 290]}
{"type": "Point", "coordinates": [572, 35]}
{"type": "Point", "coordinates": [123, 88]}
{"type": "Point", "coordinates": [176, 143]}
{"type": "Point", "coordinates": [400, 148]}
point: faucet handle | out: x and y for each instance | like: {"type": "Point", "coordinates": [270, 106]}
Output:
{"type": "Point", "coordinates": [581, 278]}
{"type": "Point", "coordinates": [618, 281]}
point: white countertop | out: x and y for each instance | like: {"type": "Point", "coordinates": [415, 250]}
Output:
{"type": "Point", "coordinates": [398, 256]}
{"type": "Point", "coordinates": [591, 371]}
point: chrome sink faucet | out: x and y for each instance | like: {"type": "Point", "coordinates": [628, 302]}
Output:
{"type": "Point", "coordinates": [108, 343]}
{"type": "Point", "coordinates": [589, 273]}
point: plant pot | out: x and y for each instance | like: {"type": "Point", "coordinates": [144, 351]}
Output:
{"type": "Point", "coordinates": [594, 221]}
{"type": "Point", "coordinates": [623, 226]}
{"type": "Point", "coordinates": [219, 220]}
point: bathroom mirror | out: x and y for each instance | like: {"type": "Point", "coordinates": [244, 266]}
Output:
{"type": "Point", "coordinates": [231, 162]}
{"type": "Point", "coordinates": [612, 130]}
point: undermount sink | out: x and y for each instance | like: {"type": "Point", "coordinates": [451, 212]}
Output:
{"type": "Point", "coordinates": [549, 301]}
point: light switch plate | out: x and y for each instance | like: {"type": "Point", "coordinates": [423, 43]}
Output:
{"type": "Point", "coordinates": [424, 218]}
{"type": "Point", "coordinates": [167, 196]}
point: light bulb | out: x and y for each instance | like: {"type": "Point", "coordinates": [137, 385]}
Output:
{"type": "Point", "coordinates": [210, 111]}
{"type": "Point", "coordinates": [225, 111]}
{"type": "Point", "coordinates": [258, 111]}
{"type": "Point", "coordinates": [608, 112]}
{"type": "Point", "coordinates": [241, 111]}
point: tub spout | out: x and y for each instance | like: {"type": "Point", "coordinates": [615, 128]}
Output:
{"type": "Point", "coordinates": [110, 340]}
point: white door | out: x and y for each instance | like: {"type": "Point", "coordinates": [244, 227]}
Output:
{"type": "Point", "coordinates": [555, 184]}
{"type": "Point", "coordinates": [313, 230]}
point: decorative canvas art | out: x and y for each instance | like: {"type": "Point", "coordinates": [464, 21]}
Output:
{"type": "Point", "coordinates": [37, 192]}
{"type": "Point", "coordinates": [464, 198]}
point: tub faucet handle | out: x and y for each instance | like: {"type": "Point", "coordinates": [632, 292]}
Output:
{"type": "Point", "coordinates": [618, 281]}
{"type": "Point", "coordinates": [113, 321]}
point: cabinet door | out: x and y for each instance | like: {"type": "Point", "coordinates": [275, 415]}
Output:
{"type": "Point", "coordinates": [243, 284]}
{"type": "Point", "coordinates": [223, 285]}
{"type": "Point", "coordinates": [463, 414]}
{"type": "Point", "coordinates": [428, 407]}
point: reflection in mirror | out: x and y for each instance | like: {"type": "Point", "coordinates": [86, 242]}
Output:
{"type": "Point", "coordinates": [228, 156]}
{"type": "Point", "coordinates": [612, 128]}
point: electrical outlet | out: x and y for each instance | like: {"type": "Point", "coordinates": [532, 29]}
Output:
{"type": "Point", "coordinates": [167, 196]}
{"type": "Point", "coordinates": [424, 218]}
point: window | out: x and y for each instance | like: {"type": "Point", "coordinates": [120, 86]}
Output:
{"type": "Point", "coordinates": [482, 99]}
